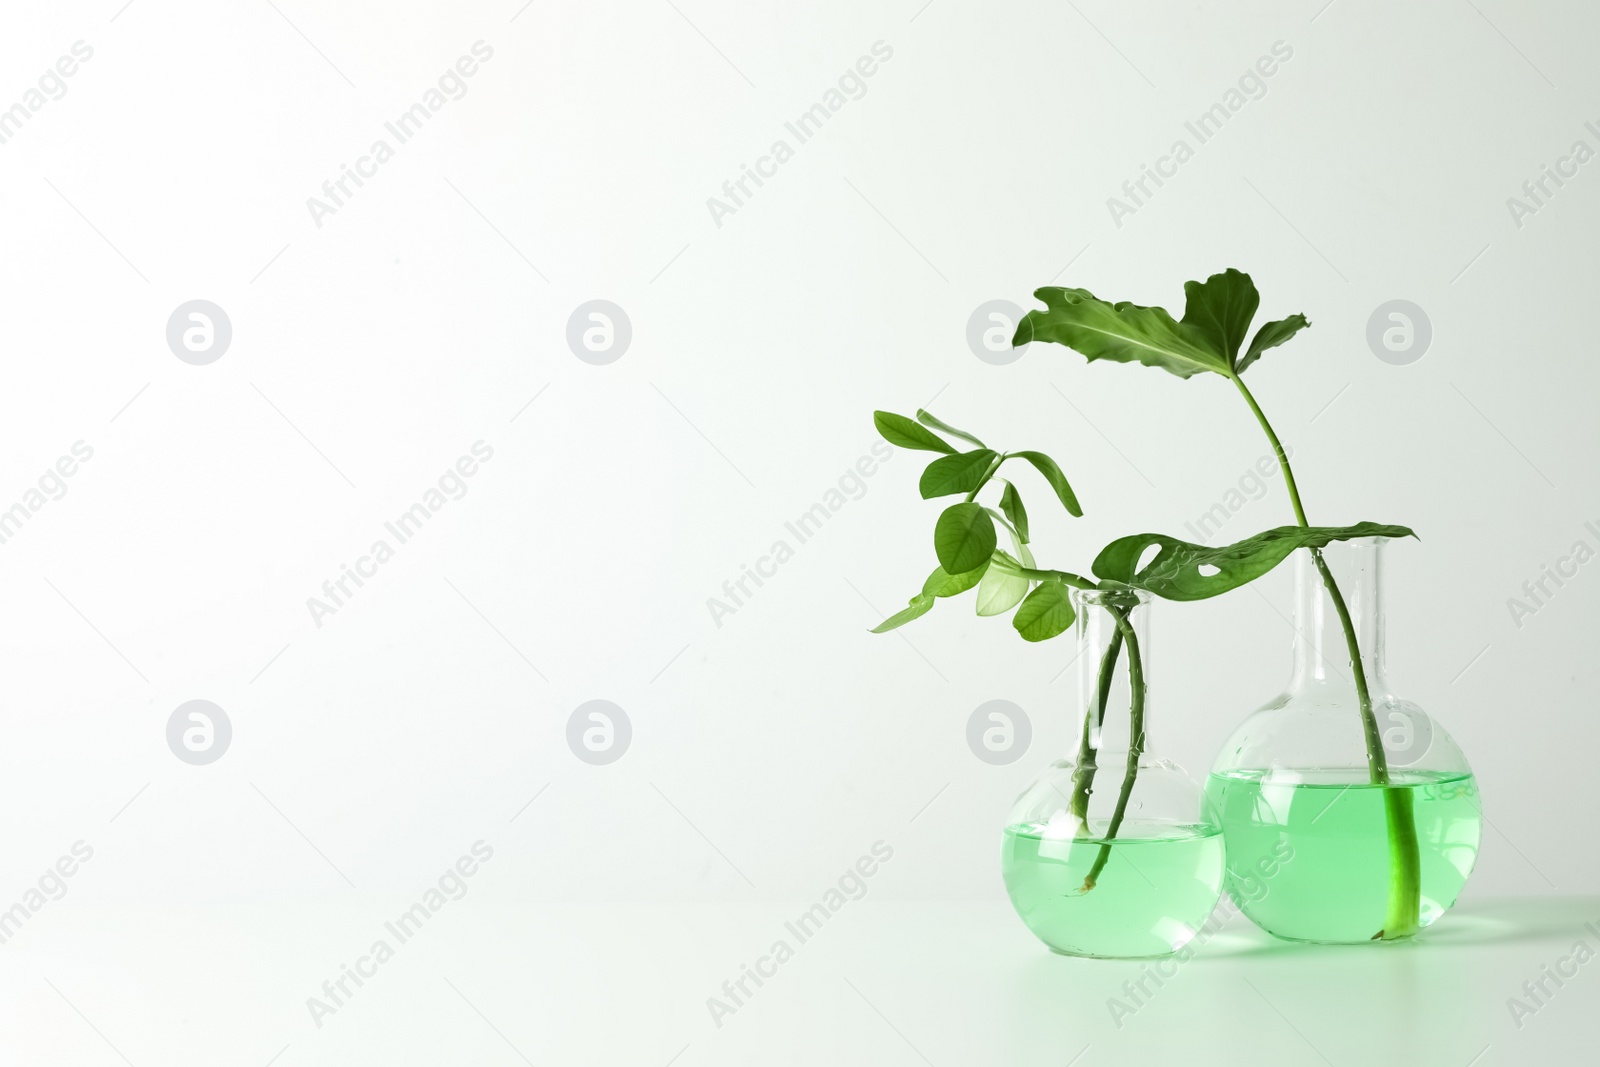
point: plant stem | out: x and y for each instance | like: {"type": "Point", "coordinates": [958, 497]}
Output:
{"type": "Point", "coordinates": [994, 466]}
{"type": "Point", "coordinates": [1405, 864]}
{"type": "Point", "coordinates": [1067, 577]}
{"type": "Point", "coordinates": [1084, 770]}
{"type": "Point", "coordinates": [1135, 743]}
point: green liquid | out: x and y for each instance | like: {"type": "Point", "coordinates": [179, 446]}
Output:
{"type": "Point", "coordinates": [1151, 897]}
{"type": "Point", "coordinates": [1309, 860]}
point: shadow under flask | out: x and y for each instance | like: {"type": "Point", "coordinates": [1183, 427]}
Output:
{"type": "Point", "coordinates": [1109, 853]}
{"type": "Point", "coordinates": [1343, 825]}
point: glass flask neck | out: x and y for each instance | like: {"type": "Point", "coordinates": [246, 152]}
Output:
{"type": "Point", "coordinates": [1322, 651]}
{"type": "Point", "coordinates": [1113, 632]}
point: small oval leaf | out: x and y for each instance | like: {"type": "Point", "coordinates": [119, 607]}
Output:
{"type": "Point", "coordinates": [1046, 613]}
{"type": "Point", "coordinates": [1058, 481]}
{"type": "Point", "coordinates": [927, 419]}
{"type": "Point", "coordinates": [906, 433]}
{"type": "Point", "coordinates": [920, 605]}
{"type": "Point", "coordinates": [941, 583]}
{"type": "Point", "coordinates": [961, 473]}
{"type": "Point", "coordinates": [1001, 590]}
{"type": "Point", "coordinates": [1011, 505]}
{"type": "Point", "coordinates": [963, 537]}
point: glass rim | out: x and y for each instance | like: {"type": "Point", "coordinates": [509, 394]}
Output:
{"type": "Point", "coordinates": [1097, 597]}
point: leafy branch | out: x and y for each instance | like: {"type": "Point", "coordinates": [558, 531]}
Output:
{"type": "Point", "coordinates": [966, 536]}
{"type": "Point", "coordinates": [966, 543]}
{"type": "Point", "coordinates": [1216, 319]}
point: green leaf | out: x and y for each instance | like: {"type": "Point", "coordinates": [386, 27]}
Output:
{"type": "Point", "coordinates": [1058, 481]}
{"type": "Point", "coordinates": [943, 583]}
{"type": "Point", "coordinates": [1125, 333]}
{"type": "Point", "coordinates": [1174, 571]}
{"type": "Point", "coordinates": [1271, 335]}
{"type": "Point", "coordinates": [961, 473]}
{"type": "Point", "coordinates": [963, 537]}
{"type": "Point", "coordinates": [1046, 613]}
{"type": "Point", "coordinates": [1220, 309]}
{"type": "Point", "coordinates": [1003, 586]}
{"type": "Point", "coordinates": [904, 433]}
{"type": "Point", "coordinates": [920, 604]}
{"type": "Point", "coordinates": [1011, 505]}
{"type": "Point", "coordinates": [928, 420]}
{"type": "Point", "coordinates": [1016, 541]}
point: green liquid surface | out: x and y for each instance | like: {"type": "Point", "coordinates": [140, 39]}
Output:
{"type": "Point", "coordinates": [1154, 892]}
{"type": "Point", "coordinates": [1308, 860]}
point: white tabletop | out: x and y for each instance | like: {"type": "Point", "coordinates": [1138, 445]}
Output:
{"type": "Point", "coordinates": [881, 983]}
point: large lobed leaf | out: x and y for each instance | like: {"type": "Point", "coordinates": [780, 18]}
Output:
{"type": "Point", "coordinates": [1174, 572]}
{"type": "Point", "coordinates": [1125, 333]}
{"type": "Point", "coordinates": [1220, 309]}
{"type": "Point", "coordinates": [1216, 318]}
{"type": "Point", "coordinates": [1271, 335]}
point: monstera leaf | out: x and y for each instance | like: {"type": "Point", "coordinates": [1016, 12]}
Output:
{"type": "Point", "coordinates": [1183, 571]}
{"type": "Point", "coordinates": [1271, 335]}
{"type": "Point", "coordinates": [1125, 333]}
{"type": "Point", "coordinates": [1216, 319]}
{"type": "Point", "coordinates": [1220, 309]}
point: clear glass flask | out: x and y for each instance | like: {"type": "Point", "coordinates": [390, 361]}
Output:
{"type": "Point", "coordinates": [1343, 825]}
{"type": "Point", "coordinates": [1109, 853]}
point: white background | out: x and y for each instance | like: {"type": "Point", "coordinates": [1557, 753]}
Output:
{"type": "Point", "coordinates": [770, 751]}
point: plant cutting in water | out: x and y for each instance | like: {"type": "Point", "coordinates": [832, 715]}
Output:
{"type": "Point", "coordinates": [966, 544]}
{"type": "Point", "coordinates": [1208, 339]}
